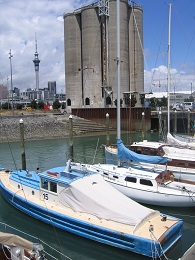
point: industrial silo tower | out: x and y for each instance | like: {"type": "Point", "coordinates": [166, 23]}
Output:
{"type": "Point", "coordinates": [90, 54]}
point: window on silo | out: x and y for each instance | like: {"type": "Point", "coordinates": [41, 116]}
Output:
{"type": "Point", "coordinates": [87, 101]}
{"type": "Point", "coordinates": [68, 102]}
{"type": "Point", "coordinates": [108, 101]}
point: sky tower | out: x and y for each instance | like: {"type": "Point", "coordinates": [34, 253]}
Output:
{"type": "Point", "coordinates": [36, 63]}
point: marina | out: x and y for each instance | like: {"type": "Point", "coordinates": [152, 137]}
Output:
{"type": "Point", "coordinates": [62, 189]}
{"type": "Point", "coordinates": [45, 154]}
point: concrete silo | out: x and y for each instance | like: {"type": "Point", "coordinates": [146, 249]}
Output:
{"type": "Point", "coordinates": [72, 42]}
{"type": "Point", "coordinates": [124, 47]}
{"type": "Point", "coordinates": [91, 57]}
{"type": "Point", "coordinates": [136, 56]}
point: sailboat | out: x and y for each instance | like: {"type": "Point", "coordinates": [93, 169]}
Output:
{"type": "Point", "coordinates": [181, 141]}
{"type": "Point", "coordinates": [180, 161]}
{"type": "Point", "coordinates": [76, 199]}
{"type": "Point", "coordinates": [145, 185]}
{"type": "Point", "coordinates": [15, 247]}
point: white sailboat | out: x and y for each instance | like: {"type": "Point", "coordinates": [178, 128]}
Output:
{"type": "Point", "coordinates": [186, 142]}
{"type": "Point", "coordinates": [180, 161]}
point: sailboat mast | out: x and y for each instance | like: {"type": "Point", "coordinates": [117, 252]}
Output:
{"type": "Point", "coordinates": [168, 79]}
{"type": "Point", "coordinates": [118, 67]}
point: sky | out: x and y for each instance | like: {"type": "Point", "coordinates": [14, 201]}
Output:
{"type": "Point", "coordinates": [21, 20]}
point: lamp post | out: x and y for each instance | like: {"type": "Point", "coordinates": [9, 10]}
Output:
{"type": "Point", "coordinates": [10, 59]}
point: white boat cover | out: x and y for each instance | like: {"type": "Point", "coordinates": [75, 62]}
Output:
{"type": "Point", "coordinates": [179, 153]}
{"type": "Point", "coordinates": [179, 143]}
{"type": "Point", "coordinates": [93, 195]}
{"type": "Point", "coordinates": [14, 240]}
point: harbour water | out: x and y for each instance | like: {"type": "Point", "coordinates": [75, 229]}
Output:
{"type": "Point", "coordinates": [46, 154]}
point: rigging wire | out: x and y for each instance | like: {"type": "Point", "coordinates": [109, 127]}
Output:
{"type": "Point", "coordinates": [5, 132]}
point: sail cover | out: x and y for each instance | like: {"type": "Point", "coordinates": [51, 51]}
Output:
{"type": "Point", "coordinates": [14, 240]}
{"type": "Point", "coordinates": [93, 195]}
{"type": "Point", "coordinates": [181, 142]}
{"type": "Point", "coordinates": [125, 153]}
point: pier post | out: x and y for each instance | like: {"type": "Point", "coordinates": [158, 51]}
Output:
{"type": "Point", "coordinates": [107, 130]}
{"type": "Point", "coordinates": [22, 145]}
{"type": "Point", "coordinates": [143, 123]}
{"type": "Point", "coordinates": [175, 122]}
{"type": "Point", "coordinates": [160, 125]}
{"type": "Point", "coordinates": [71, 137]}
{"type": "Point", "coordinates": [188, 121]}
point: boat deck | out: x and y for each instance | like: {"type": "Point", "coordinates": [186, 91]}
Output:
{"type": "Point", "coordinates": [142, 231]}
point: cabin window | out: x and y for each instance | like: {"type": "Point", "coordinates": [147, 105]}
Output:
{"type": "Point", "coordinates": [145, 151]}
{"type": "Point", "coordinates": [44, 184]}
{"type": "Point", "coordinates": [130, 179]}
{"type": "Point", "coordinates": [161, 151]}
{"type": "Point", "coordinates": [53, 187]}
{"type": "Point", "coordinates": [146, 182]}
{"type": "Point", "coordinates": [138, 150]}
{"type": "Point", "coordinates": [153, 152]}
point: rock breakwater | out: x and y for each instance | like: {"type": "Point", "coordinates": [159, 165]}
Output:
{"type": "Point", "coordinates": [35, 127]}
{"type": "Point", "coordinates": [44, 126]}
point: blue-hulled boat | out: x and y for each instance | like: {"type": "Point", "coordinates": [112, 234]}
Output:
{"type": "Point", "coordinates": [78, 200]}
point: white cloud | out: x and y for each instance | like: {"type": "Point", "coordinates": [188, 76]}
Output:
{"type": "Point", "coordinates": [156, 79]}
{"type": "Point", "coordinates": [19, 22]}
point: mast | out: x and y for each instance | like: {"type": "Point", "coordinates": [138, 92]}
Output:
{"type": "Point", "coordinates": [168, 78]}
{"type": "Point", "coordinates": [118, 67]}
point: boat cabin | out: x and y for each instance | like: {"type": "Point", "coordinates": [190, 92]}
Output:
{"type": "Point", "coordinates": [148, 148]}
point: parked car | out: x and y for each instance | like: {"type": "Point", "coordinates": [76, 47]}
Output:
{"type": "Point", "coordinates": [189, 105]}
{"type": "Point", "coordinates": [178, 106]}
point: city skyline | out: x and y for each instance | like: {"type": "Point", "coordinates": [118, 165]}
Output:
{"type": "Point", "coordinates": [20, 20]}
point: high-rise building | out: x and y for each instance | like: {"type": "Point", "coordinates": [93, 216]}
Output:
{"type": "Point", "coordinates": [51, 90]}
{"type": "Point", "coordinates": [90, 54]}
{"type": "Point", "coordinates": [52, 86]}
{"type": "Point", "coordinates": [3, 91]}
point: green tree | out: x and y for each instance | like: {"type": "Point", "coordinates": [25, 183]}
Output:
{"type": "Point", "coordinates": [153, 102]}
{"type": "Point", "coordinates": [162, 102]}
{"type": "Point", "coordinates": [33, 104]}
{"type": "Point", "coordinates": [63, 105]}
{"type": "Point", "coordinates": [56, 104]}
{"type": "Point", "coordinates": [6, 106]}
{"type": "Point", "coordinates": [19, 106]}
{"type": "Point", "coordinates": [40, 105]}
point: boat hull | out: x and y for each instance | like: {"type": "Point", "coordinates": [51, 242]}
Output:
{"type": "Point", "coordinates": [85, 229]}
{"type": "Point", "coordinates": [179, 171]}
{"type": "Point", "coordinates": [155, 197]}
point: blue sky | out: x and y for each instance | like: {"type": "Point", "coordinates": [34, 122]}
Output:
{"type": "Point", "coordinates": [155, 17]}
{"type": "Point", "coordinates": [20, 19]}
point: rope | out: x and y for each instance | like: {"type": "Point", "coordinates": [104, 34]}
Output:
{"type": "Point", "coordinates": [95, 150]}
{"type": "Point", "coordinates": [155, 239]}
